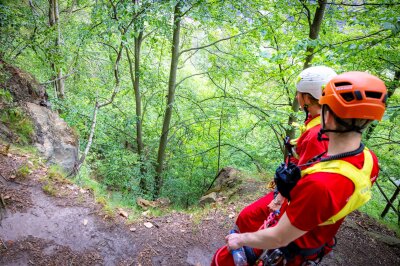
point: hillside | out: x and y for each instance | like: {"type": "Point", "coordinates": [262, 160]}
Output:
{"type": "Point", "coordinates": [48, 221]}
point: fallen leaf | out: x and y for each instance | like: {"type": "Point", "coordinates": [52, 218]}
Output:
{"type": "Point", "coordinates": [148, 224]}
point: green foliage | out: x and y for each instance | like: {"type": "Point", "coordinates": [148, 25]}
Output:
{"type": "Point", "coordinates": [378, 202]}
{"type": "Point", "coordinates": [56, 173]}
{"type": "Point", "coordinates": [233, 96]}
{"type": "Point", "coordinates": [49, 189]}
{"type": "Point", "coordinates": [111, 201]}
{"type": "Point", "coordinates": [5, 96]}
{"type": "Point", "coordinates": [18, 122]}
{"type": "Point", "coordinates": [23, 171]}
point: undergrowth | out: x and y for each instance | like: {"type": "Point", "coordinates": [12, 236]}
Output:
{"type": "Point", "coordinates": [19, 123]}
{"type": "Point", "coordinates": [375, 207]}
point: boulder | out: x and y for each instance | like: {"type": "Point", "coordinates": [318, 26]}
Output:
{"type": "Point", "coordinates": [226, 184]}
{"type": "Point", "coordinates": [54, 139]}
{"type": "Point", "coordinates": [208, 198]}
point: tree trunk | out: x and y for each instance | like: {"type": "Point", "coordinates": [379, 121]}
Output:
{"type": "Point", "coordinates": [170, 100]}
{"type": "Point", "coordinates": [135, 77]}
{"type": "Point", "coordinates": [54, 23]}
{"type": "Point", "coordinates": [314, 31]}
{"type": "Point", "coordinates": [315, 27]}
{"type": "Point", "coordinates": [97, 107]}
{"type": "Point", "coordinates": [89, 143]}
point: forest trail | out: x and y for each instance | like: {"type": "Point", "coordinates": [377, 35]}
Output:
{"type": "Point", "coordinates": [69, 228]}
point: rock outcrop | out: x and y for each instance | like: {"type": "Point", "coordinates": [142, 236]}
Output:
{"type": "Point", "coordinates": [225, 185]}
{"type": "Point", "coordinates": [54, 139]}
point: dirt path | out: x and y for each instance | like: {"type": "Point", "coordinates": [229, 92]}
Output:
{"type": "Point", "coordinates": [69, 229]}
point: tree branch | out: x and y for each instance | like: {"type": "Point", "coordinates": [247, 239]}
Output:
{"type": "Point", "coordinates": [213, 43]}
{"type": "Point", "coordinates": [185, 78]}
{"type": "Point", "coordinates": [363, 4]}
{"type": "Point", "coordinates": [63, 77]}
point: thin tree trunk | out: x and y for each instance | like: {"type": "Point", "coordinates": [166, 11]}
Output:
{"type": "Point", "coordinates": [315, 27]}
{"type": "Point", "coordinates": [137, 95]}
{"type": "Point", "coordinates": [135, 77]}
{"type": "Point", "coordinates": [89, 143]}
{"type": "Point", "coordinates": [170, 100]}
{"type": "Point", "coordinates": [97, 106]}
{"type": "Point", "coordinates": [54, 22]}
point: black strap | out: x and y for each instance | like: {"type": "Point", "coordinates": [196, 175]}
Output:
{"type": "Point", "coordinates": [250, 255]}
{"type": "Point", "coordinates": [318, 158]}
{"type": "Point", "coordinates": [292, 250]}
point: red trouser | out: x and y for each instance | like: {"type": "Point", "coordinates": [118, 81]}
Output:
{"type": "Point", "coordinates": [250, 219]}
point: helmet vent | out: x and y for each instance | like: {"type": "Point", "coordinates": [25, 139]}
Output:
{"type": "Point", "coordinates": [347, 96]}
{"type": "Point", "coordinates": [373, 94]}
{"type": "Point", "coordinates": [342, 84]}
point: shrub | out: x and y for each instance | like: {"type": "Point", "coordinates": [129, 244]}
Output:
{"type": "Point", "coordinates": [23, 171]}
{"type": "Point", "coordinates": [5, 96]}
{"type": "Point", "coordinates": [19, 123]}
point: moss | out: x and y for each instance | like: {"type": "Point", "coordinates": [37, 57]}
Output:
{"type": "Point", "coordinates": [5, 96]}
{"type": "Point", "coordinates": [56, 174]}
{"type": "Point", "coordinates": [23, 171]}
{"type": "Point", "coordinates": [49, 189]}
{"type": "Point", "coordinates": [18, 122]}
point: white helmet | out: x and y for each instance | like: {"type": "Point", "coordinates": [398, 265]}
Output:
{"type": "Point", "coordinates": [312, 80]}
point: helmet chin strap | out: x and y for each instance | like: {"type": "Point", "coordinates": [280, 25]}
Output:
{"type": "Point", "coordinates": [348, 127]}
{"type": "Point", "coordinates": [305, 108]}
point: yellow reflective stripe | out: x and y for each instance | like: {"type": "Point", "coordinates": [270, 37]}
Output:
{"type": "Point", "coordinates": [314, 122]}
{"type": "Point", "coordinates": [359, 177]}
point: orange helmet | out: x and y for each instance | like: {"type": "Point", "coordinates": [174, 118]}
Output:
{"type": "Point", "coordinates": [355, 95]}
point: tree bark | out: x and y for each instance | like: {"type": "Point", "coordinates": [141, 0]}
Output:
{"type": "Point", "coordinates": [79, 164]}
{"type": "Point", "coordinates": [315, 27]}
{"type": "Point", "coordinates": [135, 78]}
{"type": "Point", "coordinates": [170, 100]}
{"type": "Point", "coordinates": [54, 23]}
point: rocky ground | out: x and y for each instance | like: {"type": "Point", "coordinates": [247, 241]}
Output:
{"type": "Point", "coordinates": [57, 223]}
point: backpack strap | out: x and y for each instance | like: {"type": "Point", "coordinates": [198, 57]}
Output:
{"type": "Point", "coordinates": [361, 179]}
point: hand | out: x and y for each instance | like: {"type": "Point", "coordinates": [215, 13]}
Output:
{"type": "Point", "coordinates": [233, 241]}
{"type": "Point", "coordinates": [276, 203]}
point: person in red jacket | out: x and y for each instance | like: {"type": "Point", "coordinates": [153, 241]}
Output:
{"type": "Point", "coordinates": [334, 184]}
{"type": "Point", "coordinates": [309, 89]}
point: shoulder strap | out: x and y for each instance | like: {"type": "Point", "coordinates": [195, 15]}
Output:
{"type": "Point", "coordinates": [361, 179]}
